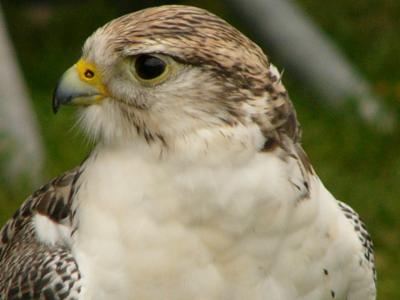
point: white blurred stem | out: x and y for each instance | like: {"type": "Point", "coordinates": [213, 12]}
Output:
{"type": "Point", "coordinates": [21, 147]}
{"type": "Point", "coordinates": [311, 54]}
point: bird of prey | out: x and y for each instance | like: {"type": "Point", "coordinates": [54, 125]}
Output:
{"type": "Point", "coordinates": [197, 187]}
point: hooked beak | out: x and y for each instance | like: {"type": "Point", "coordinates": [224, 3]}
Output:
{"type": "Point", "coordinates": [79, 85]}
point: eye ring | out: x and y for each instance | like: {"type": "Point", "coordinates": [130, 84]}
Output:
{"type": "Point", "coordinates": [150, 69]}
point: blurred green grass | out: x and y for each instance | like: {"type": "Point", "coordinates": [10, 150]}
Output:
{"type": "Point", "coordinates": [359, 165]}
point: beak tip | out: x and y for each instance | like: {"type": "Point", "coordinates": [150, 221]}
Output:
{"type": "Point", "coordinates": [71, 89]}
{"type": "Point", "coordinates": [55, 102]}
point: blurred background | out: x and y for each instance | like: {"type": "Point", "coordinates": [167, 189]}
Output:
{"type": "Point", "coordinates": [357, 160]}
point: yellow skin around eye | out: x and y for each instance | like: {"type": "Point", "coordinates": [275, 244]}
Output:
{"type": "Point", "coordinates": [83, 67]}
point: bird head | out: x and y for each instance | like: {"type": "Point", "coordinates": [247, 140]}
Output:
{"type": "Point", "coordinates": [170, 71]}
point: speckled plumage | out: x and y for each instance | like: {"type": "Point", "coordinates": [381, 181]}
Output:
{"type": "Point", "coordinates": [29, 268]}
{"type": "Point", "coordinates": [198, 187]}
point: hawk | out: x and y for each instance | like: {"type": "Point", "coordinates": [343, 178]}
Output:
{"type": "Point", "coordinates": [197, 188]}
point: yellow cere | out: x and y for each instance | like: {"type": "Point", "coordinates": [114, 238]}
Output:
{"type": "Point", "coordinates": [88, 73]}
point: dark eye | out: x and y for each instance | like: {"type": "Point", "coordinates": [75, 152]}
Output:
{"type": "Point", "coordinates": [149, 67]}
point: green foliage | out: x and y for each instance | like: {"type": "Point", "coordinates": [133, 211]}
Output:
{"type": "Point", "coordinates": [360, 166]}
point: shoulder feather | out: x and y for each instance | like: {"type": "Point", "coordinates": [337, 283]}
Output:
{"type": "Point", "coordinates": [30, 268]}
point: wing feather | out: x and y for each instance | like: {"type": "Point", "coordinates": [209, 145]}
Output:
{"type": "Point", "coordinates": [30, 268]}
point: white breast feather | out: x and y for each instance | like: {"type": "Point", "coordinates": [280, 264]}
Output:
{"type": "Point", "coordinates": [198, 229]}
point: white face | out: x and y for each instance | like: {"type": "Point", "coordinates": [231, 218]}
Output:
{"type": "Point", "coordinates": [146, 94]}
{"type": "Point", "coordinates": [177, 103]}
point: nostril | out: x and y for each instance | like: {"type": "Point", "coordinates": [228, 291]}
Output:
{"type": "Point", "coordinates": [89, 74]}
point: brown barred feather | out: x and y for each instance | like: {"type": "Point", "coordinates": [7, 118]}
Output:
{"type": "Point", "coordinates": [30, 269]}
